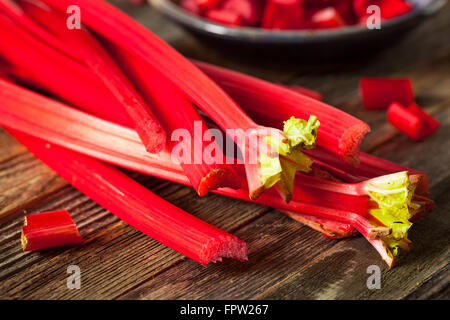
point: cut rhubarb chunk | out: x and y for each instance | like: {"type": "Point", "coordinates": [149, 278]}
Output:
{"type": "Point", "coordinates": [49, 230]}
{"type": "Point", "coordinates": [379, 93]}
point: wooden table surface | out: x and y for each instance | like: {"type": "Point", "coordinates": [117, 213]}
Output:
{"type": "Point", "coordinates": [287, 260]}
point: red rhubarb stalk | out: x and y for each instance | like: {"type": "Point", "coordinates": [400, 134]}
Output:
{"type": "Point", "coordinates": [21, 110]}
{"type": "Point", "coordinates": [99, 61]}
{"type": "Point", "coordinates": [16, 13]}
{"type": "Point", "coordinates": [176, 113]}
{"type": "Point", "coordinates": [370, 167]}
{"type": "Point", "coordinates": [49, 230]}
{"type": "Point", "coordinates": [340, 133]}
{"type": "Point", "coordinates": [222, 16]}
{"type": "Point", "coordinates": [379, 93]}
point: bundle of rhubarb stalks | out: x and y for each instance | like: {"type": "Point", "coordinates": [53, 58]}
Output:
{"type": "Point", "coordinates": [123, 94]}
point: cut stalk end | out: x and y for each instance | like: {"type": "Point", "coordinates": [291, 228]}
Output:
{"type": "Point", "coordinates": [218, 178]}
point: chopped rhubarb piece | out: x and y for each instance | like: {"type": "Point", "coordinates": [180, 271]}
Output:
{"type": "Point", "coordinates": [329, 228]}
{"type": "Point", "coordinates": [412, 121]}
{"type": "Point", "coordinates": [388, 8]}
{"type": "Point", "coordinates": [250, 11]}
{"type": "Point", "coordinates": [222, 16]}
{"type": "Point", "coordinates": [270, 104]}
{"type": "Point", "coordinates": [191, 6]}
{"type": "Point", "coordinates": [283, 15]}
{"type": "Point", "coordinates": [345, 10]}
{"type": "Point", "coordinates": [328, 18]}
{"type": "Point", "coordinates": [405, 121]}
{"type": "Point", "coordinates": [379, 93]}
{"type": "Point", "coordinates": [49, 230]}
{"type": "Point", "coordinates": [369, 167]}
{"type": "Point", "coordinates": [360, 6]}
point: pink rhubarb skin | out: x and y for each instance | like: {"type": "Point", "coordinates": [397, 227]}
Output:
{"type": "Point", "coordinates": [49, 230]}
{"type": "Point", "coordinates": [340, 133]}
{"type": "Point", "coordinates": [89, 50]}
{"type": "Point", "coordinates": [138, 206]}
{"type": "Point", "coordinates": [115, 26]}
{"type": "Point", "coordinates": [370, 167]}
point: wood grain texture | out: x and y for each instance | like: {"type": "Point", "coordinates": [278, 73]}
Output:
{"type": "Point", "coordinates": [278, 247]}
{"type": "Point", "coordinates": [287, 260]}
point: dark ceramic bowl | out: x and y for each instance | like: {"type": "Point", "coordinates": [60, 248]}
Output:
{"type": "Point", "coordinates": [346, 41]}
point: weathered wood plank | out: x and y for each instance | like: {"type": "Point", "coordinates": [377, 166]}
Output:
{"type": "Point", "coordinates": [278, 247]}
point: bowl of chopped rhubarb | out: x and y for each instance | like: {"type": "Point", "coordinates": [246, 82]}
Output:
{"type": "Point", "coordinates": [319, 28]}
